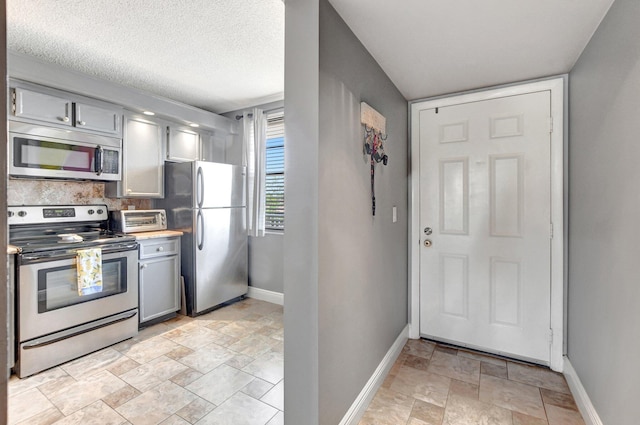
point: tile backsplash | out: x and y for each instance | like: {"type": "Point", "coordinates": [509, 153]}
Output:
{"type": "Point", "coordinates": [54, 192]}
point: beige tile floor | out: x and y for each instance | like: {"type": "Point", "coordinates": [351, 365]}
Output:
{"type": "Point", "coordinates": [432, 384]}
{"type": "Point", "coordinates": [224, 367]}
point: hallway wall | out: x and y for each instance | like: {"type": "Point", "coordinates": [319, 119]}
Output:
{"type": "Point", "coordinates": [604, 208]}
{"type": "Point", "coordinates": [345, 271]}
{"type": "Point", "coordinates": [362, 290]}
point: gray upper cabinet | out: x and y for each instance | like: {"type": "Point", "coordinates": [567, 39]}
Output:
{"type": "Point", "coordinates": [37, 104]}
{"type": "Point", "coordinates": [96, 118]}
{"type": "Point", "coordinates": [213, 147]}
{"type": "Point", "coordinates": [143, 159]}
{"type": "Point", "coordinates": [33, 105]}
{"type": "Point", "coordinates": [183, 144]}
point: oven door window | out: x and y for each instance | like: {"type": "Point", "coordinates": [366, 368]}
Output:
{"type": "Point", "coordinates": [58, 287]}
{"type": "Point", "coordinates": [47, 155]}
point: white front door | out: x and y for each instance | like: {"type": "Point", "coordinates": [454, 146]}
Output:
{"type": "Point", "coordinates": [485, 218]}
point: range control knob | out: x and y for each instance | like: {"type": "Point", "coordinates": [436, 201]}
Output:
{"type": "Point", "coordinates": [100, 211]}
{"type": "Point", "coordinates": [10, 214]}
{"type": "Point", "coordinates": [22, 213]}
{"type": "Point", "coordinates": [91, 212]}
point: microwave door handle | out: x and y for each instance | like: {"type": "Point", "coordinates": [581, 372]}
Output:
{"type": "Point", "coordinates": [99, 159]}
{"type": "Point", "coordinates": [200, 230]}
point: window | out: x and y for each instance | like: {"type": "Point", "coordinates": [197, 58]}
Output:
{"type": "Point", "coordinates": [274, 173]}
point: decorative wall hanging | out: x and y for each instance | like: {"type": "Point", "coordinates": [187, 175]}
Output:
{"type": "Point", "coordinates": [374, 134]}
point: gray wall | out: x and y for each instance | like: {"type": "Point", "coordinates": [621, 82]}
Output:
{"type": "Point", "coordinates": [301, 194]}
{"type": "Point", "coordinates": [266, 262]}
{"type": "Point", "coordinates": [345, 271]}
{"type": "Point", "coordinates": [362, 290]}
{"type": "Point", "coordinates": [266, 254]}
{"type": "Point", "coordinates": [604, 209]}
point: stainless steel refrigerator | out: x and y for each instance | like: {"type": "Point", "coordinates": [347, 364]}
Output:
{"type": "Point", "coordinates": [206, 201]}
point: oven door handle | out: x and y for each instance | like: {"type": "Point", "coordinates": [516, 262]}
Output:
{"type": "Point", "coordinates": [70, 333]}
{"type": "Point", "coordinates": [36, 257]}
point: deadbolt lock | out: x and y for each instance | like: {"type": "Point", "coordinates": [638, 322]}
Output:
{"type": "Point", "coordinates": [428, 231]}
{"type": "Point", "coordinates": [427, 243]}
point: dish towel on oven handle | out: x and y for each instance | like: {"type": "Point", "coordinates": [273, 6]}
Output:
{"type": "Point", "coordinates": [89, 266]}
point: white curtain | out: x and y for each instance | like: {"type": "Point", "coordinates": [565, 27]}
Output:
{"type": "Point", "coordinates": [254, 158]}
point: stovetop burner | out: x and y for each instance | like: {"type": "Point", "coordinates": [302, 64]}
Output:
{"type": "Point", "coordinates": [67, 227]}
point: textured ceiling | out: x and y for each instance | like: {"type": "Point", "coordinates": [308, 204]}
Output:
{"type": "Point", "coordinates": [223, 55]}
{"type": "Point", "coordinates": [218, 55]}
{"type": "Point", "coordinates": [433, 47]}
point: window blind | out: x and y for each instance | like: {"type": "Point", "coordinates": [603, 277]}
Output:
{"type": "Point", "coordinates": [274, 173]}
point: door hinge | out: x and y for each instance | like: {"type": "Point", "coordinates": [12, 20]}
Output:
{"type": "Point", "coordinates": [550, 124]}
{"type": "Point", "coordinates": [550, 230]}
{"type": "Point", "coordinates": [550, 336]}
{"type": "Point", "coordinates": [13, 101]}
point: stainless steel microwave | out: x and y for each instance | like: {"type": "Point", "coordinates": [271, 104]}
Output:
{"type": "Point", "coordinates": [45, 152]}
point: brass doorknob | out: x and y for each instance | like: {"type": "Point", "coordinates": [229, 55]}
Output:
{"type": "Point", "coordinates": [427, 243]}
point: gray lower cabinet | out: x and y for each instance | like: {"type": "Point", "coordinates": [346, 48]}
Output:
{"type": "Point", "coordinates": [159, 278]}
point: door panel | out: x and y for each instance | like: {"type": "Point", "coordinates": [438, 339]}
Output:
{"type": "Point", "coordinates": [485, 197]}
{"type": "Point", "coordinates": [221, 256]}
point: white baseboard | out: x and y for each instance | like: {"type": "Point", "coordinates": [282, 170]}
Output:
{"type": "Point", "coordinates": [580, 395]}
{"type": "Point", "coordinates": [359, 406]}
{"type": "Point", "coordinates": [265, 295]}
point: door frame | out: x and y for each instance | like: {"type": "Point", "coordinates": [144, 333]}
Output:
{"type": "Point", "coordinates": [557, 86]}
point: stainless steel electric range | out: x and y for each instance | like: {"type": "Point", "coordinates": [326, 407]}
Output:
{"type": "Point", "coordinates": [57, 322]}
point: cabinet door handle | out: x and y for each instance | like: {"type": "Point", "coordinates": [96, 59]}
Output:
{"type": "Point", "coordinates": [160, 249]}
{"type": "Point", "coordinates": [144, 266]}
{"type": "Point", "coordinates": [64, 119]}
{"type": "Point", "coordinates": [82, 123]}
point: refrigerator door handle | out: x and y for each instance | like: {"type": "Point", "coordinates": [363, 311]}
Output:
{"type": "Point", "coordinates": [200, 226]}
{"type": "Point", "coordinates": [199, 187]}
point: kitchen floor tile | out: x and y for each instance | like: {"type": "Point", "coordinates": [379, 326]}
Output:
{"type": "Point", "coordinates": [220, 384]}
{"type": "Point", "coordinates": [207, 358]}
{"type": "Point", "coordinates": [422, 385]}
{"type": "Point", "coordinates": [154, 406]}
{"type": "Point", "coordinates": [240, 409]}
{"type": "Point", "coordinates": [46, 417]}
{"type": "Point", "coordinates": [388, 407]}
{"type": "Point", "coordinates": [73, 397]}
{"type": "Point", "coordinates": [275, 396]}
{"type": "Point", "coordinates": [195, 410]}
{"type": "Point", "coordinates": [420, 348]}
{"type": "Point", "coordinates": [121, 396]}
{"type": "Point", "coordinates": [27, 404]}
{"type": "Point", "coordinates": [482, 389]}
{"type": "Point", "coordinates": [278, 419]}
{"type": "Point", "coordinates": [17, 385]}
{"type": "Point", "coordinates": [97, 413]}
{"type": "Point", "coordinates": [143, 380]}
{"type": "Point", "coordinates": [428, 413]}
{"type": "Point", "coordinates": [174, 420]}
{"type": "Point", "coordinates": [269, 366]}
{"type": "Point", "coordinates": [150, 349]}
{"type": "Point", "coordinates": [560, 416]}
{"type": "Point", "coordinates": [461, 410]}
{"type": "Point", "coordinates": [257, 388]}
{"type": "Point", "coordinates": [538, 376]}
{"type": "Point", "coordinates": [512, 395]}
{"type": "Point", "coordinates": [92, 363]}
{"type": "Point", "coordinates": [153, 373]}
{"type": "Point", "coordinates": [455, 367]}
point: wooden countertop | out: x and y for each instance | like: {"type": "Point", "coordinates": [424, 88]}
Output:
{"type": "Point", "coordinates": [156, 234]}
{"type": "Point", "coordinates": [11, 250]}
